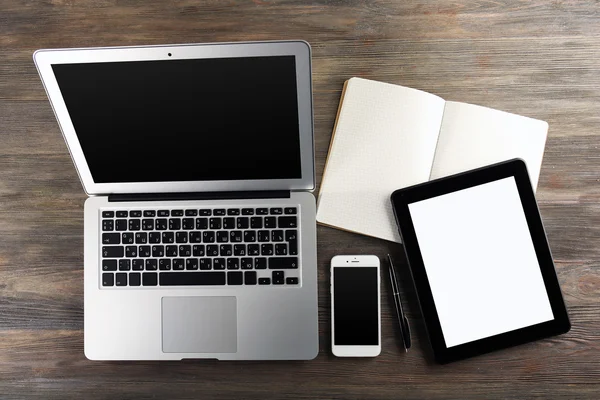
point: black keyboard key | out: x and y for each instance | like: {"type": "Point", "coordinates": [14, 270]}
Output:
{"type": "Point", "coordinates": [246, 263]}
{"type": "Point", "coordinates": [233, 263]}
{"type": "Point", "coordinates": [276, 211]}
{"type": "Point", "coordinates": [191, 263]}
{"type": "Point", "coordinates": [131, 251]}
{"type": "Point", "coordinates": [225, 250]}
{"type": "Point", "coordinates": [219, 263]}
{"type": "Point", "coordinates": [242, 223]}
{"type": "Point", "coordinates": [247, 211]}
{"type": "Point", "coordinates": [176, 213]}
{"type": "Point", "coordinates": [135, 279]}
{"type": "Point", "coordinates": [121, 279]}
{"type": "Point", "coordinates": [144, 251]}
{"type": "Point", "coordinates": [239, 249]}
{"type": "Point", "coordinates": [270, 222]}
{"type": "Point", "coordinates": [249, 236]}
{"type": "Point", "coordinates": [235, 278]}
{"type": "Point", "coordinates": [250, 277]}
{"type": "Point", "coordinates": [163, 213]}
{"type": "Point", "coordinates": [277, 235]}
{"type": "Point", "coordinates": [108, 225]}
{"type": "Point", "coordinates": [109, 265]}
{"type": "Point", "coordinates": [108, 279]}
{"type": "Point", "coordinates": [168, 237]}
{"type": "Point", "coordinates": [187, 224]}
{"type": "Point", "coordinates": [277, 277]}
{"type": "Point", "coordinates": [222, 237]}
{"type": "Point", "coordinates": [135, 214]}
{"type": "Point", "coordinates": [171, 250]}
{"type": "Point", "coordinates": [229, 223]}
{"type": "Point", "coordinates": [134, 224]}
{"type": "Point", "coordinates": [198, 250]}
{"type": "Point", "coordinates": [151, 264]}
{"type": "Point", "coordinates": [212, 250]}
{"type": "Point", "coordinates": [254, 250]}
{"type": "Point", "coordinates": [283, 263]}
{"type": "Point", "coordinates": [215, 223]}
{"type": "Point", "coordinates": [185, 250]}
{"type": "Point", "coordinates": [281, 249]}
{"type": "Point", "coordinates": [208, 237]}
{"type": "Point", "coordinates": [154, 237]}
{"type": "Point", "coordinates": [113, 251]}
{"type": "Point", "coordinates": [291, 281]}
{"type": "Point", "coordinates": [264, 236]}
{"type": "Point", "coordinates": [293, 247]}
{"type": "Point", "coordinates": [287, 222]}
{"type": "Point", "coordinates": [201, 223]}
{"type": "Point", "coordinates": [174, 223]}
{"type": "Point", "coordinates": [205, 264]}
{"type": "Point", "coordinates": [266, 249]}
{"type": "Point", "coordinates": [122, 214]}
{"type": "Point", "coordinates": [178, 264]}
{"type": "Point", "coordinates": [141, 238]}
{"type": "Point", "coordinates": [161, 224]}
{"type": "Point", "coordinates": [195, 237]}
{"type": "Point", "coordinates": [192, 278]}
{"type": "Point", "coordinates": [260, 263]}
{"type": "Point", "coordinates": [121, 225]}
{"type": "Point", "coordinates": [262, 211]}
{"type": "Point", "coordinates": [181, 237]}
{"type": "Point", "coordinates": [290, 210]}
{"type": "Point", "coordinates": [256, 223]}
{"type": "Point", "coordinates": [164, 264]}
{"type": "Point", "coordinates": [151, 278]}
{"type": "Point", "coordinates": [291, 235]}
{"type": "Point", "coordinates": [235, 236]}
{"type": "Point", "coordinates": [233, 211]}
{"type": "Point", "coordinates": [205, 213]}
{"type": "Point", "coordinates": [149, 213]}
{"type": "Point", "coordinates": [137, 265]}
{"type": "Point", "coordinates": [191, 213]}
{"type": "Point", "coordinates": [219, 212]}
{"type": "Point", "coordinates": [264, 281]}
{"type": "Point", "coordinates": [147, 224]}
{"type": "Point", "coordinates": [108, 214]}
{"type": "Point", "coordinates": [111, 238]}
{"type": "Point", "coordinates": [158, 251]}
{"type": "Point", "coordinates": [127, 238]}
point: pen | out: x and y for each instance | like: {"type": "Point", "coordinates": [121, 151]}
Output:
{"type": "Point", "coordinates": [402, 321]}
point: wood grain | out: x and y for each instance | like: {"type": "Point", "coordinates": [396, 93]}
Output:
{"type": "Point", "coordinates": [539, 59]}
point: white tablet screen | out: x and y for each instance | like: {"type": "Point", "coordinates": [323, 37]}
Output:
{"type": "Point", "coordinates": [480, 262]}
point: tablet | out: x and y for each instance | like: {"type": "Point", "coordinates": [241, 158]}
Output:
{"type": "Point", "coordinates": [480, 261]}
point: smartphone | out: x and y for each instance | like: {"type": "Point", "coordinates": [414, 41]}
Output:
{"type": "Point", "coordinates": [355, 306]}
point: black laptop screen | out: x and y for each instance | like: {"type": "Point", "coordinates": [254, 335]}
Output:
{"type": "Point", "coordinates": [185, 120]}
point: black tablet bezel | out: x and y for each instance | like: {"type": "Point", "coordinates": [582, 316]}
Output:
{"type": "Point", "coordinates": [513, 168]}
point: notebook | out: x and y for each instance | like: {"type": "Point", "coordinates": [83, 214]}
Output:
{"type": "Point", "coordinates": [387, 137]}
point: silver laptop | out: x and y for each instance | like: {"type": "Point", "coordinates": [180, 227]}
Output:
{"type": "Point", "coordinates": [200, 236]}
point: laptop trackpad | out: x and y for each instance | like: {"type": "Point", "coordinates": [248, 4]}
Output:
{"type": "Point", "coordinates": [199, 324]}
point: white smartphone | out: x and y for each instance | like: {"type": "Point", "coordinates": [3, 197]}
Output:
{"type": "Point", "coordinates": [355, 306]}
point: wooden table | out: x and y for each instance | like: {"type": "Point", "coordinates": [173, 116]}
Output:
{"type": "Point", "coordinates": [540, 59]}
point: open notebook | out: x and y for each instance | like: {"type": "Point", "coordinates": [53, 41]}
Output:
{"type": "Point", "coordinates": [387, 137]}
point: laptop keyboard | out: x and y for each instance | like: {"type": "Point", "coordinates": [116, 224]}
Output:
{"type": "Point", "coordinates": [199, 247]}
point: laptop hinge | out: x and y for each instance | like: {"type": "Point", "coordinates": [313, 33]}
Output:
{"type": "Point", "coordinates": [266, 194]}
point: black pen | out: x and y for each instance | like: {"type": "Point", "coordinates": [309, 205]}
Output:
{"type": "Point", "coordinates": [402, 321]}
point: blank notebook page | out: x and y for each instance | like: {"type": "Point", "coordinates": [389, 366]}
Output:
{"type": "Point", "coordinates": [473, 136]}
{"type": "Point", "coordinates": [385, 138]}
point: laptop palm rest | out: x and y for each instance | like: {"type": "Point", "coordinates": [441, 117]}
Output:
{"type": "Point", "coordinates": [199, 324]}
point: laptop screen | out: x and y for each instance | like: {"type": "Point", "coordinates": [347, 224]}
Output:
{"type": "Point", "coordinates": [185, 120]}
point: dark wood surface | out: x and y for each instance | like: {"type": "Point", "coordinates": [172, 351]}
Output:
{"type": "Point", "coordinates": [540, 59]}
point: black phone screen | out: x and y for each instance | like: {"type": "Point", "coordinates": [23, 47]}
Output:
{"type": "Point", "coordinates": [355, 306]}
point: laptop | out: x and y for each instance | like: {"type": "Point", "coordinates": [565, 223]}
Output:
{"type": "Point", "coordinates": [199, 232]}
